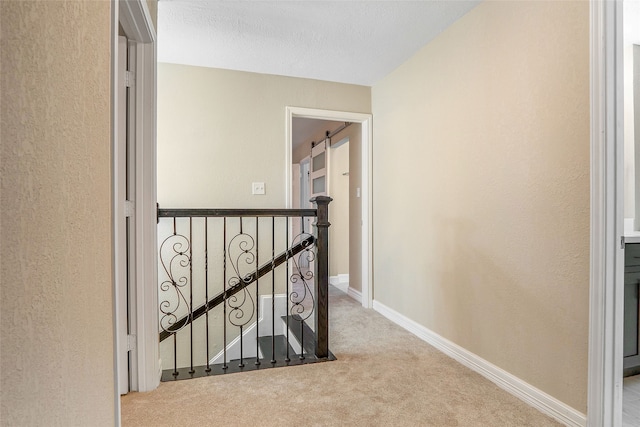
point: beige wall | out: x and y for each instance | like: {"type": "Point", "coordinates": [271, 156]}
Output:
{"type": "Point", "coordinates": [354, 133]}
{"type": "Point", "coordinates": [355, 205]}
{"type": "Point", "coordinates": [56, 335]}
{"type": "Point", "coordinates": [481, 190]}
{"type": "Point", "coordinates": [339, 209]}
{"type": "Point", "coordinates": [221, 130]}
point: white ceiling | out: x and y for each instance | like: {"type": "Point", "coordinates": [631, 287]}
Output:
{"type": "Point", "coordinates": [346, 41]}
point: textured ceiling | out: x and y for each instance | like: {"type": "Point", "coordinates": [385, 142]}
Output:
{"type": "Point", "coordinates": [356, 42]}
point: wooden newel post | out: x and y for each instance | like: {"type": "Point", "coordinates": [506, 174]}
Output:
{"type": "Point", "coordinates": [322, 275]}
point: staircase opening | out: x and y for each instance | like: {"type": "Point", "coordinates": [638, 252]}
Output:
{"type": "Point", "coordinates": [239, 290]}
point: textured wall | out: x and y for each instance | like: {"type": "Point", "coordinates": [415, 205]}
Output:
{"type": "Point", "coordinates": [57, 335]}
{"type": "Point", "coordinates": [221, 130]}
{"type": "Point", "coordinates": [481, 190]}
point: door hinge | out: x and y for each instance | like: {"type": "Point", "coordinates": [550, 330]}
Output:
{"type": "Point", "coordinates": [129, 208]}
{"type": "Point", "coordinates": [621, 242]}
{"type": "Point", "coordinates": [131, 342]}
{"type": "Point", "coordinates": [129, 79]}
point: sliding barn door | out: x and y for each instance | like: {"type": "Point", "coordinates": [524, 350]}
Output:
{"type": "Point", "coordinates": [319, 164]}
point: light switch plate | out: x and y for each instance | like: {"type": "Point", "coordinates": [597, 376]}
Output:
{"type": "Point", "coordinates": [257, 188]}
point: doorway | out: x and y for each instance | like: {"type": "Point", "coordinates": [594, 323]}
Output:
{"type": "Point", "coordinates": [607, 219]}
{"type": "Point", "coordinates": [321, 166]}
{"type": "Point", "coordinates": [359, 178]}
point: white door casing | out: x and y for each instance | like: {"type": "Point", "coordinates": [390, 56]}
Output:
{"type": "Point", "coordinates": [135, 20]}
{"type": "Point", "coordinates": [604, 405]}
{"type": "Point", "coordinates": [120, 232]}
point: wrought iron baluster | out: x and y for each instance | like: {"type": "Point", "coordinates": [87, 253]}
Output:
{"type": "Point", "coordinates": [242, 256]}
{"type": "Point", "coordinates": [175, 342]}
{"type": "Point", "coordinates": [273, 289]}
{"type": "Point", "coordinates": [301, 298]}
{"type": "Point", "coordinates": [175, 255]}
{"type": "Point", "coordinates": [301, 356]}
{"type": "Point", "coordinates": [224, 293]}
{"type": "Point", "coordinates": [287, 285]}
{"type": "Point", "coordinates": [301, 339]}
{"type": "Point", "coordinates": [191, 371]}
{"type": "Point", "coordinates": [257, 362]}
{"type": "Point", "coordinates": [175, 355]}
{"type": "Point", "coordinates": [206, 286]}
{"type": "Point", "coordinates": [241, 365]}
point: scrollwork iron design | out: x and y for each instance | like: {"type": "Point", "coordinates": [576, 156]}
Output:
{"type": "Point", "coordinates": [242, 259]}
{"type": "Point", "coordinates": [175, 259]}
{"type": "Point", "coordinates": [301, 296]}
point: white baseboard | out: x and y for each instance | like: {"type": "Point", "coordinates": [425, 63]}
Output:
{"type": "Point", "coordinates": [524, 391]}
{"type": "Point", "coordinates": [341, 281]}
{"type": "Point", "coordinates": [355, 294]}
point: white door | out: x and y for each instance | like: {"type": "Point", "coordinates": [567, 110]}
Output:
{"type": "Point", "coordinates": [125, 230]}
{"type": "Point", "coordinates": [318, 174]}
{"type": "Point", "coordinates": [121, 221]}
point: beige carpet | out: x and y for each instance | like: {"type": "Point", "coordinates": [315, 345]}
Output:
{"type": "Point", "coordinates": [384, 376]}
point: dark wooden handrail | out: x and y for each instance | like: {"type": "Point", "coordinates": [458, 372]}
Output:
{"type": "Point", "coordinates": [249, 278]}
{"type": "Point", "coordinates": [188, 212]}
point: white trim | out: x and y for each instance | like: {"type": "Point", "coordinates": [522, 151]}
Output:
{"type": "Point", "coordinates": [367, 142]}
{"type": "Point", "coordinates": [131, 166]}
{"type": "Point", "coordinates": [288, 156]}
{"type": "Point", "coordinates": [136, 21]}
{"type": "Point", "coordinates": [367, 210]}
{"type": "Point", "coordinates": [119, 219]}
{"type": "Point", "coordinates": [607, 222]}
{"type": "Point", "coordinates": [264, 330]}
{"type": "Point", "coordinates": [146, 220]}
{"type": "Point", "coordinates": [232, 352]}
{"type": "Point", "coordinates": [503, 379]}
{"type": "Point", "coordinates": [341, 281]}
{"type": "Point", "coordinates": [114, 225]}
{"type": "Point", "coordinates": [355, 294]}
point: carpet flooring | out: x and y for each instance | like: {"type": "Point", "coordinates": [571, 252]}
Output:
{"type": "Point", "coordinates": [384, 376]}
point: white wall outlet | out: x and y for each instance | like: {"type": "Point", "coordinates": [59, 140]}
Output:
{"type": "Point", "coordinates": [257, 188]}
{"type": "Point", "coordinates": [357, 191]}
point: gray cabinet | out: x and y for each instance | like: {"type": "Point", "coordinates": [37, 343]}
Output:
{"type": "Point", "coordinates": [631, 314]}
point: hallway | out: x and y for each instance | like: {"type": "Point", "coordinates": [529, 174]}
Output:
{"type": "Point", "coordinates": [384, 376]}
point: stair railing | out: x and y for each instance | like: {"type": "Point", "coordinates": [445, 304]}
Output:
{"type": "Point", "coordinates": [218, 252]}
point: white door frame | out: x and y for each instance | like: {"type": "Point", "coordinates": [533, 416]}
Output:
{"type": "Point", "coordinates": [367, 143]}
{"type": "Point", "coordinates": [607, 222]}
{"type": "Point", "coordinates": [135, 19]}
